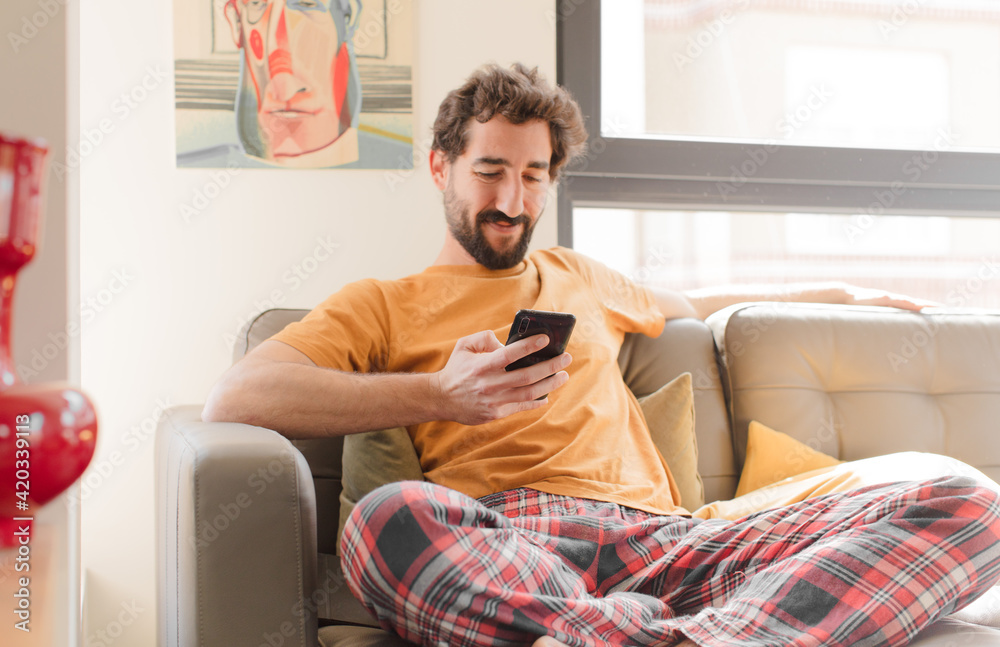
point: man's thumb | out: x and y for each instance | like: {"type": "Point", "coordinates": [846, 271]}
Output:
{"type": "Point", "coordinates": [481, 342]}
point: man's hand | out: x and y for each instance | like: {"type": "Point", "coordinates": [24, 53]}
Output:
{"type": "Point", "coordinates": [474, 387]}
{"type": "Point", "coordinates": [872, 297]}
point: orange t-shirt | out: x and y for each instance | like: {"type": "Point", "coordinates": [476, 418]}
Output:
{"type": "Point", "coordinates": [589, 441]}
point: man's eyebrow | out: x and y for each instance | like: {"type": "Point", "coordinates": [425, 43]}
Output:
{"type": "Point", "coordinates": [500, 161]}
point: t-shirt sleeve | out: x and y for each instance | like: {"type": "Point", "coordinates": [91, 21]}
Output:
{"type": "Point", "coordinates": [348, 331]}
{"type": "Point", "coordinates": [630, 307]}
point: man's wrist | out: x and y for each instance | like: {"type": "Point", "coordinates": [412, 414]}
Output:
{"type": "Point", "coordinates": [433, 397]}
{"type": "Point", "coordinates": [835, 292]}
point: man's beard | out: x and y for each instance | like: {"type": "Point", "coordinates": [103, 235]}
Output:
{"type": "Point", "coordinates": [470, 236]}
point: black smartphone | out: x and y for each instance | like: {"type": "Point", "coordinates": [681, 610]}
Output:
{"type": "Point", "coordinates": [557, 325]}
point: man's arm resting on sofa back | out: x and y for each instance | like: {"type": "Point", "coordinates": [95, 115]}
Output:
{"type": "Point", "coordinates": [278, 387]}
{"type": "Point", "coordinates": [702, 302]}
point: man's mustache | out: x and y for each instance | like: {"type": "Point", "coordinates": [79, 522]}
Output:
{"type": "Point", "coordinates": [499, 216]}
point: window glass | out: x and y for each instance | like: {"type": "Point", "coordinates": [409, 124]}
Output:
{"type": "Point", "coordinates": [876, 73]}
{"type": "Point", "coordinates": [954, 261]}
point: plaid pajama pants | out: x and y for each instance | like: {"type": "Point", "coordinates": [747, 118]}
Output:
{"type": "Point", "coordinates": [869, 567]}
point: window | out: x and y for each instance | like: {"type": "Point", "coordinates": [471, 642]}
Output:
{"type": "Point", "coordinates": [787, 140]}
{"type": "Point", "coordinates": [878, 73]}
{"type": "Point", "coordinates": [954, 261]}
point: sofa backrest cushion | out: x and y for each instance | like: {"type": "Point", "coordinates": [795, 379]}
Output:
{"type": "Point", "coordinates": [857, 382]}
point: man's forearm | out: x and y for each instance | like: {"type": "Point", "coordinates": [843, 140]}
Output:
{"type": "Point", "coordinates": [302, 401]}
{"type": "Point", "coordinates": [278, 387]}
{"type": "Point", "coordinates": [705, 301]}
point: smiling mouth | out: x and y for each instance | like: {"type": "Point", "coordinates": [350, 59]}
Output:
{"type": "Point", "coordinates": [505, 227]}
{"type": "Point", "coordinates": [502, 220]}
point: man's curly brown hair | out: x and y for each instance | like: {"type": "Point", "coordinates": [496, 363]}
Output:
{"type": "Point", "coordinates": [519, 95]}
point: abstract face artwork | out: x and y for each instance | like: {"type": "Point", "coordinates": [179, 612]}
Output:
{"type": "Point", "coordinates": [300, 94]}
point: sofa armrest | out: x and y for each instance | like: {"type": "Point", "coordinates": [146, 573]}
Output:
{"type": "Point", "coordinates": [236, 534]}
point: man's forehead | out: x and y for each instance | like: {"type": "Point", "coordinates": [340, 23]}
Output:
{"type": "Point", "coordinates": [500, 141]}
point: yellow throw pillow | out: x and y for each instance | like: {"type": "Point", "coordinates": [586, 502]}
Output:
{"type": "Point", "coordinates": [669, 413]}
{"type": "Point", "coordinates": [773, 456]}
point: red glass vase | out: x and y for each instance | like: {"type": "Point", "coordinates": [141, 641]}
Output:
{"type": "Point", "coordinates": [48, 432]}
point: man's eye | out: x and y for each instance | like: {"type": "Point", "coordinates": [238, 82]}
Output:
{"type": "Point", "coordinates": [488, 174]}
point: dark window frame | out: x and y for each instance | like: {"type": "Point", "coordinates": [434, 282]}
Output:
{"type": "Point", "coordinates": [682, 174]}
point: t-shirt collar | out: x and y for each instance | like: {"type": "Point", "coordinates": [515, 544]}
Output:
{"type": "Point", "coordinates": [478, 270]}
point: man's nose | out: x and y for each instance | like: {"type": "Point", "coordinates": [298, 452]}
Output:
{"type": "Point", "coordinates": [510, 197]}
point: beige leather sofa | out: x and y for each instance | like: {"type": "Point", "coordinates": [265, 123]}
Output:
{"type": "Point", "coordinates": [248, 520]}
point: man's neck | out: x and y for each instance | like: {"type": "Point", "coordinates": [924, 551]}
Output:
{"type": "Point", "coordinates": [452, 253]}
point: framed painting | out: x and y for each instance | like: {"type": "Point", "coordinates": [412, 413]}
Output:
{"type": "Point", "coordinates": [294, 83]}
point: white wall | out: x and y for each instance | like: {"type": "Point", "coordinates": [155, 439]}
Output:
{"type": "Point", "coordinates": [176, 289]}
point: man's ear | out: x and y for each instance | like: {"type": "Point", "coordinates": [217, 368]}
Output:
{"type": "Point", "coordinates": [440, 168]}
{"type": "Point", "coordinates": [233, 18]}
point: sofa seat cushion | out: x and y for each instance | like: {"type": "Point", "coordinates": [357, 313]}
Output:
{"type": "Point", "coordinates": [348, 636]}
{"type": "Point", "coordinates": [953, 632]}
{"type": "Point", "coordinates": [946, 632]}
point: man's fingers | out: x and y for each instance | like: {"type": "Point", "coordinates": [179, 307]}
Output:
{"type": "Point", "coordinates": [526, 388]}
{"type": "Point", "coordinates": [476, 388]}
{"type": "Point", "coordinates": [537, 372]}
{"type": "Point", "coordinates": [548, 385]}
{"type": "Point", "coordinates": [517, 350]}
{"type": "Point", "coordinates": [910, 303]}
{"type": "Point", "coordinates": [876, 297]}
{"type": "Point", "coordinates": [535, 395]}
